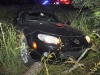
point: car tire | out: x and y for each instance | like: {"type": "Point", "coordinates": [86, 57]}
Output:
{"type": "Point", "coordinates": [25, 54]}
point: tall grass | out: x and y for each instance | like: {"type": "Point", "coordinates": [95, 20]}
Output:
{"type": "Point", "coordinates": [10, 51]}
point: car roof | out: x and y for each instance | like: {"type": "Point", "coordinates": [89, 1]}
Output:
{"type": "Point", "coordinates": [40, 11]}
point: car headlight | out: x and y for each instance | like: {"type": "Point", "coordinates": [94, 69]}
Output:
{"type": "Point", "coordinates": [49, 39]}
{"type": "Point", "coordinates": [88, 39]}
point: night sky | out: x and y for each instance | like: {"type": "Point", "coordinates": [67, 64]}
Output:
{"type": "Point", "coordinates": [18, 2]}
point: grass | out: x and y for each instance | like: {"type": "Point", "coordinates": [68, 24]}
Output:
{"type": "Point", "coordinates": [10, 61]}
{"type": "Point", "coordinates": [10, 51]}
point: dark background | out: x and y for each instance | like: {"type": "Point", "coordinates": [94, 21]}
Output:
{"type": "Point", "coordinates": [17, 2]}
{"type": "Point", "coordinates": [20, 2]}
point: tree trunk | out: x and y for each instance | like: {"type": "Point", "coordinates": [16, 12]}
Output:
{"type": "Point", "coordinates": [34, 69]}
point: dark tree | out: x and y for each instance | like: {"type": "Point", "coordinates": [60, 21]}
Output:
{"type": "Point", "coordinates": [94, 10]}
{"type": "Point", "coordinates": [86, 3]}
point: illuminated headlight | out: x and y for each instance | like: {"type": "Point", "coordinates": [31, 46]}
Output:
{"type": "Point", "coordinates": [88, 39]}
{"type": "Point", "coordinates": [49, 39]}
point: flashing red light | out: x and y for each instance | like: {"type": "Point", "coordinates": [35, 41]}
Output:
{"type": "Point", "coordinates": [65, 1]}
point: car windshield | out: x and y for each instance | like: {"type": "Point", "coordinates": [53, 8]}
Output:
{"type": "Point", "coordinates": [40, 16]}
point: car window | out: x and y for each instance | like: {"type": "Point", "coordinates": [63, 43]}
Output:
{"type": "Point", "coordinates": [40, 16]}
{"type": "Point", "coordinates": [32, 16]}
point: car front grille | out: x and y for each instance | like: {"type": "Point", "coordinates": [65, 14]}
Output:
{"type": "Point", "coordinates": [73, 43]}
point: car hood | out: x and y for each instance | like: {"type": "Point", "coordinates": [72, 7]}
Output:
{"type": "Point", "coordinates": [52, 28]}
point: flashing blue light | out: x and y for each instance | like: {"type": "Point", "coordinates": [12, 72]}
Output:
{"type": "Point", "coordinates": [45, 2]}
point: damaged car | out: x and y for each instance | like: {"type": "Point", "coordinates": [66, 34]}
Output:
{"type": "Point", "coordinates": [42, 33]}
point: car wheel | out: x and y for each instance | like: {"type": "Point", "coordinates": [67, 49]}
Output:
{"type": "Point", "coordinates": [25, 55]}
